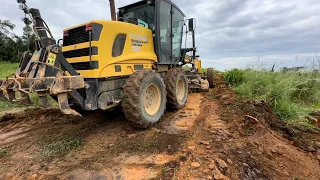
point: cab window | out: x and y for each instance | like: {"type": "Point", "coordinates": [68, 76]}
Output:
{"type": "Point", "coordinates": [143, 16]}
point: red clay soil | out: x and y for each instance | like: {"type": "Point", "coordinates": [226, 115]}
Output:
{"type": "Point", "coordinates": [216, 136]}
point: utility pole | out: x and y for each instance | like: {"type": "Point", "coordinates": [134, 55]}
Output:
{"type": "Point", "coordinates": [112, 10]}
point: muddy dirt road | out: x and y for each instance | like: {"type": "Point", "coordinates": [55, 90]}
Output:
{"type": "Point", "coordinates": [216, 136]}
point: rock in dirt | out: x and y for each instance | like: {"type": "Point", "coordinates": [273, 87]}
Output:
{"type": "Point", "coordinates": [204, 143]}
{"type": "Point", "coordinates": [191, 148]}
{"type": "Point", "coordinates": [217, 175]}
{"type": "Point", "coordinates": [206, 171]}
{"type": "Point", "coordinates": [318, 157]}
{"type": "Point", "coordinates": [222, 166]}
{"type": "Point", "coordinates": [132, 136]}
{"type": "Point", "coordinates": [195, 165]}
{"type": "Point", "coordinates": [212, 167]}
{"type": "Point", "coordinates": [34, 176]}
{"type": "Point", "coordinates": [245, 164]}
{"type": "Point", "coordinates": [229, 161]}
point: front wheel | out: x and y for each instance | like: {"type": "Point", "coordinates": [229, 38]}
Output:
{"type": "Point", "coordinates": [177, 88]}
{"type": "Point", "coordinates": [144, 98]}
{"type": "Point", "coordinates": [210, 77]}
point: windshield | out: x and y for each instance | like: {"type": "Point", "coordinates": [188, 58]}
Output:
{"type": "Point", "coordinates": [143, 17]}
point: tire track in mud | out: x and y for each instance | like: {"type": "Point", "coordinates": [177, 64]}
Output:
{"type": "Point", "coordinates": [111, 147]}
{"type": "Point", "coordinates": [210, 138]}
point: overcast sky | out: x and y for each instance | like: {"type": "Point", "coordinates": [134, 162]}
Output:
{"type": "Point", "coordinates": [230, 33]}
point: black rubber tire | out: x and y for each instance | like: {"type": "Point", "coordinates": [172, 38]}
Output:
{"type": "Point", "coordinates": [133, 98]}
{"type": "Point", "coordinates": [210, 77]}
{"type": "Point", "coordinates": [171, 80]}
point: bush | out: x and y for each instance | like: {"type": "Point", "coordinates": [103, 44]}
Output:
{"type": "Point", "coordinates": [234, 77]}
{"type": "Point", "coordinates": [292, 95]}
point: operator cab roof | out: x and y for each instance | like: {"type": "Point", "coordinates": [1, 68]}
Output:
{"type": "Point", "coordinates": [144, 2]}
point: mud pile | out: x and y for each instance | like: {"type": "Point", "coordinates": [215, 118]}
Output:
{"type": "Point", "coordinates": [261, 144]}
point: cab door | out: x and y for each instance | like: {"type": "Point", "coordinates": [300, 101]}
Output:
{"type": "Point", "coordinates": [164, 33]}
{"type": "Point", "coordinates": [177, 32]}
{"type": "Point", "coordinates": [169, 20]}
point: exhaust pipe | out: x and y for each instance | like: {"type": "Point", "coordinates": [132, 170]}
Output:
{"type": "Point", "coordinates": [113, 10]}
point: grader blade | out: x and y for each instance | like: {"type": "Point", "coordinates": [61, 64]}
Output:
{"type": "Point", "coordinates": [197, 82]}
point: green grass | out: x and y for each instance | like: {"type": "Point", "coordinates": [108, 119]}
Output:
{"type": "Point", "coordinates": [8, 106]}
{"type": "Point", "coordinates": [5, 70]}
{"type": "Point", "coordinates": [137, 146]}
{"type": "Point", "coordinates": [52, 146]}
{"type": "Point", "coordinates": [292, 95]}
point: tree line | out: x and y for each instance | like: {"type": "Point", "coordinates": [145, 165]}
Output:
{"type": "Point", "coordinates": [11, 45]}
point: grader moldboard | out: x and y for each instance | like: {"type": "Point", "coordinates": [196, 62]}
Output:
{"type": "Point", "coordinates": [134, 61]}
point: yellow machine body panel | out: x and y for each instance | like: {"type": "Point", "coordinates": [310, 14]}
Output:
{"type": "Point", "coordinates": [197, 63]}
{"type": "Point", "coordinates": [137, 52]}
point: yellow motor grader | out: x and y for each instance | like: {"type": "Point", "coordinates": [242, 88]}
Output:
{"type": "Point", "coordinates": [133, 61]}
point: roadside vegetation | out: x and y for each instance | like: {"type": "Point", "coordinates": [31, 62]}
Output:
{"type": "Point", "coordinates": [7, 68]}
{"type": "Point", "coordinates": [292, 95]}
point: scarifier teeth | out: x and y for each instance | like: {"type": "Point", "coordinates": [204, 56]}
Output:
{"type": "Point", "coordinates": [64, 105]}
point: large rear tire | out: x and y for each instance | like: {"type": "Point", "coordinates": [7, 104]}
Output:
{"type": "Point", "coordinates": [210, 77]}
{"type": "Point", "coordinates": [144, 98]}
{"type": "Point", "coordinates": [177, 88]}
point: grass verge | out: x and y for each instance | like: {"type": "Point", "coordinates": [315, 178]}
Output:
{"type": "Point", "coordinates": [292, 95]}
{"type": "Point", "coordinates": [7, 69]}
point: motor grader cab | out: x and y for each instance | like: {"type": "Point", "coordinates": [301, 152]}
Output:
{"type": "Point", "coordinates": [134, 62]}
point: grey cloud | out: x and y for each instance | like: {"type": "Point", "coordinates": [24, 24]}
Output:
{"type": "Point", "coordinates": [225, 29]}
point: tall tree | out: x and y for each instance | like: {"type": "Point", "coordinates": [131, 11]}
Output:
{"type": "Point", "coordinates": [11, 45]}
{"type": "Point", "coordinates": [8, 47]}
{"type": "Point", "coordinates": [6, 27]}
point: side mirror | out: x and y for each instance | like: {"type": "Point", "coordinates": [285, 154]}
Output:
{"type": "Point", "coordinates": [191, 24]}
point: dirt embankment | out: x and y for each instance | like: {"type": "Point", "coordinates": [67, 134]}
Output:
{"type": "Point", "coordinates": [216, 136]}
